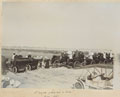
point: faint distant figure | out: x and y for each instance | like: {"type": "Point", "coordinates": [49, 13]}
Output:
{"type": "Point", "coordinates": [41, 61]}
{"type": "Point", "coordinates": [76, 54]}
{"type": "Point", "coordinates": [29, 55]}
{"type": "Point", "coordinates": [43, 64]}
{"type": "Point", "coordinates": [13, 56]}
{"type": "Point", "coordinates": [70, 54]}
{"type": "Point", "coordinates": [91, 55]}
{"type": "Point", "coordinates": [47, 62]}
{"type": "Point", "coordinates": [104, 55]}
{"type": "Point", "coordinates": [111, 57]}
{"type": "Point", "coordinates": [20, 55]}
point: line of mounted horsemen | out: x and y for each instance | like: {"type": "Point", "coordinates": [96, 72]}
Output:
{"type": "Point", "coordinates": [66, 58]}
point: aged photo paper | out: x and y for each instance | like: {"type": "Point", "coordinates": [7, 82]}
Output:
{"type": "Point", "coordinates": [60, 48]}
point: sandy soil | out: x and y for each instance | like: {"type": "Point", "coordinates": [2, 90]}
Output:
{"type": "Point", "coordinates": [61, 77]}
{"type": "Point", "coordinates": [50, 78]}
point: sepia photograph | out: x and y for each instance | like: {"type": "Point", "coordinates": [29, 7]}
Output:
{"type": "Point", "coordinates": [58, 45]}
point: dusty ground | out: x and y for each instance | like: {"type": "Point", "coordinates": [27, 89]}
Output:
{"type": "Point", "coordinates": [50, 78]}
{"type": "Point", "coordinates": [61, 77]}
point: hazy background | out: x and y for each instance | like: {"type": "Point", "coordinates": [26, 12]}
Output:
{"type": "Point", "coordinates": [61, 25]}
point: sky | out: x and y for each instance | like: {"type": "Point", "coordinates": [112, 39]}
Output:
{"type": "Point", "coordinates": [61, 25]}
